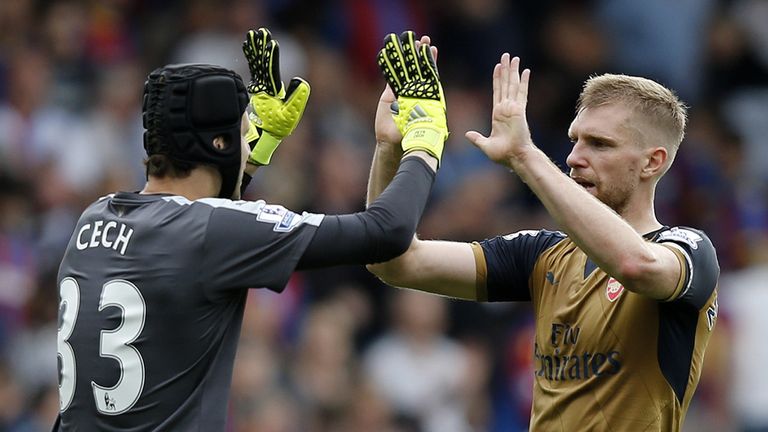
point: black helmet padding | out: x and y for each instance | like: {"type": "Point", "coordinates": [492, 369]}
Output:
{"type": "Point", "coordinates": [186, 106]}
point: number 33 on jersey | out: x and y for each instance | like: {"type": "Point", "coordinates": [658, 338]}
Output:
{"type": "Point", "coordinates": [114, 345]}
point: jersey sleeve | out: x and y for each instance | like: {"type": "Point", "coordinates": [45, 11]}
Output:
{"type": "Point", "coordinates": [509, 261]}
{"type": "Point", "coordinates": [253, 245]}
{"type": "Point", "coordinates": [700, 270]}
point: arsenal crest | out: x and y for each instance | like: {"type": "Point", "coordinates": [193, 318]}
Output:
{"type": "Point", "coordinates": [613, 290]}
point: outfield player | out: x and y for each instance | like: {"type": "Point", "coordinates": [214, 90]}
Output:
{"type": "Point", "coordinates": [624, 305]}
{"type": "Point", "coordinates": [153, 283]}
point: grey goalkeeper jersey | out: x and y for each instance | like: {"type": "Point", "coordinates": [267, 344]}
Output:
{"type": "Point", "coordinates": [152, 290]}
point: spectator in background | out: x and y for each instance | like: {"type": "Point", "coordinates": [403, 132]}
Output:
{"type": "Point", "coordinates": [13, 399]}
{"type": "Point", "coordinates": [417, 368]}
{"type": "Point", "coordinates": [260, 401]}
{"type": "Point", "coordinates": [322, 372]}
{"type": "Point", "coordinates": [19, 270]}
{"type": "Point", "coordinates": [659, 39]}
{"type": "Point", "coordinates": [747, 377]}
{"type": "Point", "coordinates": [114, 129]}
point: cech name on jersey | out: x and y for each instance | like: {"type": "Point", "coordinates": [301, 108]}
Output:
{"type": "Point", "coordinates": [104, 234]}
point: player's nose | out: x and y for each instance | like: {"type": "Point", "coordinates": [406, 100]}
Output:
{"type": "Point", "coordinates": [576, 157]}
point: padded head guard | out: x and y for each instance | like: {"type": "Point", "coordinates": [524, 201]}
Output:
{"type": "Point", "coordinates": [185, 107]}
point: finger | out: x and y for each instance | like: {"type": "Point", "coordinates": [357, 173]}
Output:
{"type": "Point", "coordinates": [408, 43]}
{"type": "Point", "coordinates": [387, 96]}
{"type": "Point", "coordinates": [431, 89]}
{"type": "Point", "coordinates": [249, 52]}
{"type": "Point", "coordinates": [264, 39]}
{"type": "Point", "coordinates": [522, 93]}
{"type": "Point", "coordinates": [248, 43]}
{"type": "Point", "coordinates": [273, 67]}
{"type": "Point", "coordinates": [297, 95]}
{"type": "Point", "coordinates": [497, 83]}
{"type": "Point", "coordinates": [476, 138]}
{"type": "Point", "coordinates": [514, 77]}
{"type": "Point", "coordinates": [391, 57]}
{"type": "Point", "coordinates": [427, 64]}
{"type": "Point", "coordinates": [266, 34]}
{"type": "Point", "coordinates": [388, 70]}
{"type": "Point", "coordinates": [262, 57]}
{"type": "Point", "coordinates": [426, 40]}
{"type": "Point", "coordinates": [394, 108]}
{"type": "Point", "coordinates": [504, 76]}
{"type": "Point", "coordinates": [261, 38]}
{"type": "Point", "coordinates": [417, 43]}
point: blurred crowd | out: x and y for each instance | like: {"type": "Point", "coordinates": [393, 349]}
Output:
{"type": "Point", "coordinates": [339, 350]}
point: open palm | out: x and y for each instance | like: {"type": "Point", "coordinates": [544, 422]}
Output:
{"type": "Point", "coordinates": [509, 127]}
{"type": "Point", "coordinates": [385, 128]}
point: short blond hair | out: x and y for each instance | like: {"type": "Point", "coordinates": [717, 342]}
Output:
{"type": "Point", "coordinates": [658, 104]}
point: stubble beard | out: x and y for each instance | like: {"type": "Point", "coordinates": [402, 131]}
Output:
{"type": "Point", "coordinates": [617, 196]}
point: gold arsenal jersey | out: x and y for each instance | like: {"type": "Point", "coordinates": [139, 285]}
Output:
{"type": "Point", "coordinates": [605, 358]}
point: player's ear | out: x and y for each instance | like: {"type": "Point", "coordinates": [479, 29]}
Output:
{"type": "Point", "coordinates": [220, 143]}
{"type": "Point", "coordinates": [655, 162]}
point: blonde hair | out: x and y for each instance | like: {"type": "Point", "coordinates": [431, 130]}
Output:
{"type": "Point", "coordinates": [657, 103]}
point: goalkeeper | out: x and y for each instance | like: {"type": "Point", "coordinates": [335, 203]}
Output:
{"type": "Point", "coordinates": [153, 284]}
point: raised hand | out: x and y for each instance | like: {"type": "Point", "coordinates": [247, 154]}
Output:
{"type": "Point", "coordinates": [411, 73]}
{"type": "Point", "coordinates": [384, 125]}
{"type": "Point", "coordinates": [386, 130]}
{"type": "Point", "coordinates": [274, 112]}
{"type": "Point", "coordinates": [510, 134]}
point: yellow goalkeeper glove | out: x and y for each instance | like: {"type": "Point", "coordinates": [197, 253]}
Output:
{"type": "Point", "coordinates": [420, 108]}
{"type": "Point", "coordinates": [274, 112]}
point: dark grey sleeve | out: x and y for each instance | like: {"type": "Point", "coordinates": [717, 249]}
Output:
{"type": "Point", "coordinates": [381, 232]}
{"type": "Point", "coordinates": [253, 245]}
{"type": "Point", "coordinates": [510, 260]}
